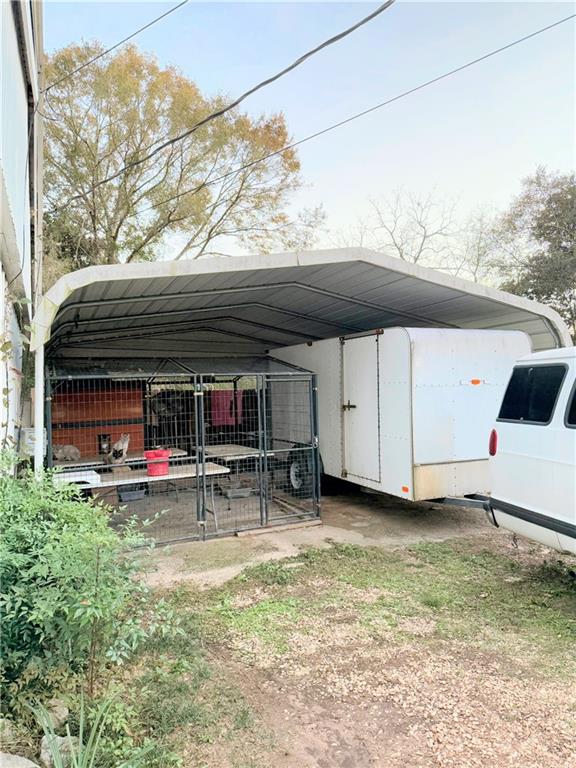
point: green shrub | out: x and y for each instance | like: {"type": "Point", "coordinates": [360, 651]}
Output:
{"type": "Point", "coordinates": [70, 601]}
{"type": "Point", "coordinates": [89, 751]}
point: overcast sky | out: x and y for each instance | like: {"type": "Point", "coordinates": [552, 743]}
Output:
{"type": "Point", "coordinates": [471, 137]}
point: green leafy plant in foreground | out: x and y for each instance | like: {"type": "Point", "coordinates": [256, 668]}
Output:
{"type": "Point", "coordinates": [87, 750]}
{"type": "Point", "coordinates": [71, 601]}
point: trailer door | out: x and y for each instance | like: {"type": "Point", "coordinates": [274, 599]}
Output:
{"type": "Point", "coordinates": [361, 409]}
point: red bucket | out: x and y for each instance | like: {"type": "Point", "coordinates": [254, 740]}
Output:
{"type": "Point", "coordinates": [157, 462]}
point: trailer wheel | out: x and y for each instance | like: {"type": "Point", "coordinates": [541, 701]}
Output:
{"type": "Point", "coordinates": [300, 475]}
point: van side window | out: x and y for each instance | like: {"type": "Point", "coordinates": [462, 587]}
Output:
{"type": "Point", "coordinates": [571, 412]}
{"type": "Point", "coordinates": [532, 393]}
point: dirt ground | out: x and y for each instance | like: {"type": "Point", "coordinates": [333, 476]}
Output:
{"type": "Point", "coordinates": [422, 655]}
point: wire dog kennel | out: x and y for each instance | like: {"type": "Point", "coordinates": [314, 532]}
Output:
{"type": "Point", "coordinates": [194, 448]}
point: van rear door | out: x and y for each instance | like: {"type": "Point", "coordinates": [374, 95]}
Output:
{"type": "Point", "coordinates": [533, 472]}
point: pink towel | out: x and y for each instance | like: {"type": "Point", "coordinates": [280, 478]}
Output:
{"type": "Point", "coordinates": [222, 404]}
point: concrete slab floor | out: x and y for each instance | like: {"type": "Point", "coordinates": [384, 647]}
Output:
{"type": "Point", "coordinates": [355, 517]}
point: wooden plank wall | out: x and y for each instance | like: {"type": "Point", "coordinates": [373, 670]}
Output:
{"type": "Point", "coordinates": [84, 411]}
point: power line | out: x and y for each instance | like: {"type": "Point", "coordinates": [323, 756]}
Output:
{"type": "Point", "coordinates": [358, 114]}
{"type": "Point", "coordinates": [341, 123]}
{"type": "Point", "coordinates": [236, 102]}
{"type": "Point", "coordinates": [116, 45]}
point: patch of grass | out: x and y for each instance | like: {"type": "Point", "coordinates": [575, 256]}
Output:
{"type": "Point", "coordinates": [270, 620]}
{"type": "Point", "coordinates": [167, 696]}
{"type": "Point", "coordinates": [269, 573]}
{"type": "Point", "coordinates": [432, 600]}
{"type": "Point", "coordinates": [465, 592]}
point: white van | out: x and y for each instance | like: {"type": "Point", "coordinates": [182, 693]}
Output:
{"type": "Point", "coordinates": [533, 451]}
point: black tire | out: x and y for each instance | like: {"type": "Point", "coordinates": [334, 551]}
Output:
{"type": "Point", "coordinates": [300, 474]}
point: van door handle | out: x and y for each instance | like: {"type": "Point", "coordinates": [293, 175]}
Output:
{"type": "Point", "coordinates": [348, 406]}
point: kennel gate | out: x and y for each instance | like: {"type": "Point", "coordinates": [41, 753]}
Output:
{"type": "Point", "coordinates": [243, 446]}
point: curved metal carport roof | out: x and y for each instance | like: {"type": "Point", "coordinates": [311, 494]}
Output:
{"type": "Point", "coordinates": [248, 305]}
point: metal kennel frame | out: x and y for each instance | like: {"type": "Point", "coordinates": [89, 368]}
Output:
{"type": "Point", "coordinates": [189, 448]}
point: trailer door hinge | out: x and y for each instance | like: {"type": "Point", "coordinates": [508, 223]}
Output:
{"type": "Point", "coordinates": [348, 406]}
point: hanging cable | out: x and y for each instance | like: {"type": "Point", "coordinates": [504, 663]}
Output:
{"type": "Point", "coordinates": [158, 147]}
{"type": "Point", "coordinates": [113, 47]}
{"type": "Point", "coordinates": [356, 116]}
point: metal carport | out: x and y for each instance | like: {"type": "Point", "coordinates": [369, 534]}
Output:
{"type": "Point", "coordinates": [248, 305]}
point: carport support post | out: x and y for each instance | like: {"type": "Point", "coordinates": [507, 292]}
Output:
{"type": "Point", "coordinates": [39, 411]}
{"type": "Point", "coordinates": [315, 443]}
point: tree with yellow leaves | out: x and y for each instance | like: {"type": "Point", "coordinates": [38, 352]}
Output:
{"type": "Point", "coordinates": [189, 199]}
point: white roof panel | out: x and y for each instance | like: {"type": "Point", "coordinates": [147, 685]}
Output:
{"type": "Point", "coordinates": [221, 306]}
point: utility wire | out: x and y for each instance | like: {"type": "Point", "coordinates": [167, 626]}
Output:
{"type": "Point", "coordinates": [339, 124]}
{"type": "Point", "coordinates": [236, 102]}
{"type": "Point", "coordinates": [83, 66]}
{"type": "Point", "coordinates": [359, 114]}
{"type": "Point", "coordinates": [116, 45]}
{"type": "Point", "coordinates": [74, 72]}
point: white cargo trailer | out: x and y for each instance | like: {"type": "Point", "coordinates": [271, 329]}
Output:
{"type": "Point", "coordinates": [406, 411]}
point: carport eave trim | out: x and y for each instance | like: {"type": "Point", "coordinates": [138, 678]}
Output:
{"type": "Point", "coordinates": [52, 301]}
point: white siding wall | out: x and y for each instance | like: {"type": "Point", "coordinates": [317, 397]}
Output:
{"type": "Point", "coordinates": [14, 141]}
{"type": "Point", "coordinates": [18, 78]}
{"type": "Point", "coordinates": [10, 370]}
